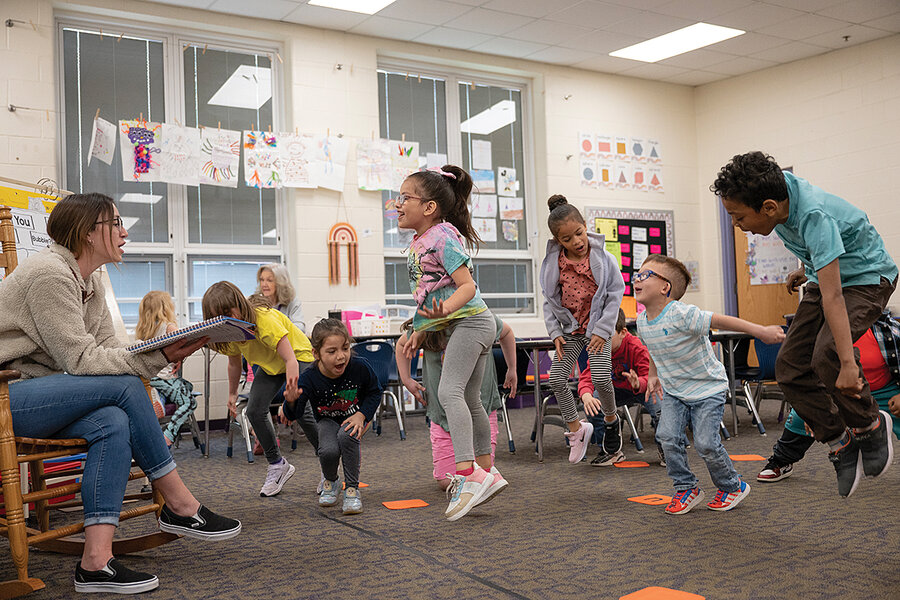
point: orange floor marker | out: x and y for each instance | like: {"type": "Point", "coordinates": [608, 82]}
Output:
{"type": "Point", "coordinates": [631, 464]}
{"type": "Point", "coordinates": [747, 457]}
{"type": "Point", "coordinates": [652, 499]}
{"type": "Point", "coordinates": [401, 504]}
{"type": "Point", "coordinates": [661, 593]}
{"type": "Point", "coordinates": [361, 484]}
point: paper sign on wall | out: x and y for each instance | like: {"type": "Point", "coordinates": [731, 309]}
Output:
{"type": "Point", "coordinates": [484, 205]}
{"type": "Point", "coordinates": [608, 228]}
{"type": "Point", "coordinates": [483, 181]}
{"type": "Point", "coordinates": [506, 181]}
{"type": "Point", "coordinates": [481, 155]}
{"type": "Point", "coordinates": [486, 228]}
{"type": "Point", "coordinates": [220, 155]}
{"type": "Point", "coordinates": [373, 164]}
{"type": "Point", "coordinates": [512, 208]}
{"type": "Point", "coordinates": [103, 141]}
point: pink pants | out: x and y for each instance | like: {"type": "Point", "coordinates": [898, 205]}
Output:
{"type": "Point", "coordinates": [442, 448]}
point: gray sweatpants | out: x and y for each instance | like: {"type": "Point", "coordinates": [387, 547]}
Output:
{"type": "Point", "coordinates": [337, 445]}
{"type": "Point", "coordinates": [264, 391]}
{"type": "Point", "coordinates": [468, 348]}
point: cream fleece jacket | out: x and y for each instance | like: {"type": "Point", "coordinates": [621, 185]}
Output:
{"type": "Point", "coordinates": [53, 321]}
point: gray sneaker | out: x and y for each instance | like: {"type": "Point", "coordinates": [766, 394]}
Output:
{"type": "Point", "coordinates": [330, 491]}
{"type": "Point", "coordinates": [276, 476]}
{"type": "Point", "coordinates": [352, 501]}
{"type": "Point", "coordinates": [848, 464]}
{"type": "Point", "coordinates": [875, 446]}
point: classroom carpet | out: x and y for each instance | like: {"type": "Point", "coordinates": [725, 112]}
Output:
{"type": "Point", "coordinates": [558, 531]}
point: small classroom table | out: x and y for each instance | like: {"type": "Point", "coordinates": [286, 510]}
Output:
{"type": "Point", "coordinates": [729, 341]}
{"type": "Point", "coordinates": [535, 347]}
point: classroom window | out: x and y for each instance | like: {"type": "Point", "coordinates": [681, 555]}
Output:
{"type": "Point", "coordinates": [488, 120]}
{"type": "Point", "coordinates": [180, 236]}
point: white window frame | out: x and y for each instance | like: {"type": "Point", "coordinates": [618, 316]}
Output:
{"type": "Point", "coordinates": [178, 248]}
{"type": "Point", "coordinates": [452, 78]}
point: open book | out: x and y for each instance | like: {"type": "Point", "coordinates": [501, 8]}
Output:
{"type": "Point", "coordinates": [219, 329]}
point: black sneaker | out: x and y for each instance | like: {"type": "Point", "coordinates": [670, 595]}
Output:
{"type": "Point", "coordinates": [876, 447]}
{"type": "Point", "coordinates": [207, 525]}
{"type": "Point", "coordinates": [114, 578]}
{"type": "Point", "coordinates": [848, 464]}
{"type": "Point", "coordinates": [612, 436]}
{"type": "Point", "coordinates": [606, 460]}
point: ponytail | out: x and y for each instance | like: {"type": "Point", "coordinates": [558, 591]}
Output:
{"type": "Point", "coordinates": [560, 212]}
{"type": "Point", "coordinates": [450, 188]}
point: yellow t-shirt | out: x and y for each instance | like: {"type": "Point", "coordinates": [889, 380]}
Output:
{"type": "Point", "coordinates": [271, 326]}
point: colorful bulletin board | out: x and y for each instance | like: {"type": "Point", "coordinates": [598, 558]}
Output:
{"type": "Point", "coordinates": [631, 235]}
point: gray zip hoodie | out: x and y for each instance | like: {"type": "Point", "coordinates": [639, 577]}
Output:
{"type": "Point", "coordinates": [606, 301]}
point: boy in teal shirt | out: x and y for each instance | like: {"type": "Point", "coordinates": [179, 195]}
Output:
{"type": "Point", "coordinates": [850, 278]}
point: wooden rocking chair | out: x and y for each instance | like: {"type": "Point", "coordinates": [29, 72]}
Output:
{"type": "Point", "coordinates": [17, 450]}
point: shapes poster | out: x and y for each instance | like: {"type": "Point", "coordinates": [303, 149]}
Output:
{"type": "Point", "coordinates": [140, 141]}
{"type": "Point", "coordinates": [605, 146]}
{"type": "Point", "coordinates": [588, 168]}
{"type": "Point", "coordinates": [262, 163]}
{"type": "Point", "coordinates": [330, 165]}
{"type": "Point", "coordinates": [404, 160]}
{"type": "Point", "coordinates": [653, 153]}
{"type": "Point", "coordinates": [655, 181]}
{"type": "Point", "coordinates": [586, 143]}
{"type": "Point", "coordinates": [638, 148]}
{"type": "Point", "coordinates": [606, 173]}
{"type": "Point", "coordinates": [373, 164]}
{"type": "Point", "coordinates": [220, 156]}
{"type": "Point", "coordinates": [506, 181]}
{"type": "Point", "coordinates": [103, 141]}
{"type": "Point", "coordinates": [180, 157]}
{"type": "Point", "coordinates": [622, 151]}
{"type": "Point", "coordinates": [638, 177]}
{"type": "Point", "coordinates": [297, 151]}
{"type": "Point", "coordinates": [622, 175]}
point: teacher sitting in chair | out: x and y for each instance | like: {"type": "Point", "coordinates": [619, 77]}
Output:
{"type": "Point", "coordinates": [78, 381]}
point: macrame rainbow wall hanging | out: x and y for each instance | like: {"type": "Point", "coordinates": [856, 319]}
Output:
{"type": "Point", "coordinates": [342, 233]}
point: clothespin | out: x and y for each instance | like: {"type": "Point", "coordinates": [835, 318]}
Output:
{"type": "Point", "coordinates": [406, 77]}
{"type": "Point", "coordinates": [97, 114]}
{"type": "Point", "coordinates": [185, 47]}
{"type": "Point", "coordinates": [297, 130]}
{"type": "Point", "coordinates": [472, 86]}
{"type": "Point", "coordinates": [48, 115]}
{"type": "Point", "coordinates": [33, 26]}
{"type": "Point", "coordinates": [252, 126]}
{"type": "Point", "coordinates": [120, 37]}
{"type": "Point", "coordinates": [204, 49]}
{"type": "Point", "coordinates": [270, 129]}
{"type": "Point", "coordinates": [420, 78]}
{"type": "Point", "coordinates": [328, 132]}
{"type": "Point", "coordinates": [101, 33]}
{"type": "Point", "coordinates": [278, 56]}
{"type": "Point", "coordinates": [373, 135]}
{"type": "Point", "coordinates": [142, 118]}
{"type": "Point", "coordinates": [176, 121]}
{"type": "Point", "coordinates": [220, 124]}
{"type": "Point", "coordinates": [402, 137]}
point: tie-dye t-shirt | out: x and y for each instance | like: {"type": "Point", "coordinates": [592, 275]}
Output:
{"type": "Point", "coordinates": [433, 256]}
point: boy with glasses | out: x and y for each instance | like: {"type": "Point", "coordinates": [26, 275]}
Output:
{"type": "Point", "coordinates": [688, 381]}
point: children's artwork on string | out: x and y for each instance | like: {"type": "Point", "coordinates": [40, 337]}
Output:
{"type": "Point", "coordinates": [262, 163]}
{"type": "Point", "coordinates": [653, 153]}
{"type": "Point", "coordinates": [220, 156]}
{"type": "Point", "coordinates": [483, 181]}
{"type": "Point", "coordinates": [297, 152]}
{"type": "Point", "coordinates": [654, 175]}
{"type": "Point", "coordinates": [404, 161]}
{"type": "Point", "coordinates": [481, 155]}
{"type": "Point", "coordinates": [140, 148]}
{"type": "Point", "coordinates": [506, 181]}
{"type": "Point", "coordinates": [638, 177]}
{"type": "Point", "coordinates": [587, 165]}
{"type": "Point", "coordinates": [484, 205]}
{"type": "Point", "coordinates": [512, 209]}
{"type": "Point", "coordinates": [103, 141]}
{"type": "Point", "coordinates": [486, 228]}
{"type": "Point", "coordinates": [373, 164]}
{"type": "Point", "coordinates": [180, 156]}
{"type": "Point", "coordinates": [510, 231]}
{"type": "Point", "coordinates": [329, 169]}
{"type": "Point", "coordinates": [606, 173]}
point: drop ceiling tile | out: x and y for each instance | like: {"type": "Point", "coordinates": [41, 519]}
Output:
{"type": "Point", "coordinates": [639, 4]}
{"type": "Point", "coordinates": [802, 27]}
{"type": "Point", "coordinates": [391, 28]}
{"type": "Point", "coordinates": [891, 23]}
{"type": "Point", "coordinates": [860, 11]}
{"type": "Point", "coordinates": [435, 12]}
{"type": "Point", "coordinates": [453, 38]}
{"type": "Point", "coordinates": [700, 10]}
{"type": "Point", "coordinates": [592, 13]}
{"type": "Point", "coordinates": [697, 59]}
{"type": "Point", "coordinates": [755, 16]}
{"type": "Point", "coordinates": [489, 21]}
{"type": "Point", "coordinates": [185, 3]}
{"type": "Point", "coordinates": [530, 8]}
{"type": "Point", "coordinates": [740, 65]}
{"type": "Point", "coordinates": [791, 52]}
{"type": "Point", "coordinates": [653, 71]}
{"type": "Point", "coordinates": [271, 9]}
{"type": "Point", "coordinates": [548, 32]}
{"type": "Point", "coordinates": [606, 64]}
{"type": "Point", "coordinates": [560, 56]}
{"type": "Point", "coordinates": [601, 41]}
{"type": "Point", "coordinates": [695, 78]}
{"type": "Point", "coordinates": [328, 18]}
{"type": "Point", "coordinates": [471, 2]}
{"type": "Point", "coordinates": [509, 47]}
{"type": "Point", "coordinates": [649, 25]}
{"type": "Point", "coordinates": [748, 43]}
{"type": "Point", "coordinates": [858, 34]}
{"type": "Point", "coordinates": [805, 5]}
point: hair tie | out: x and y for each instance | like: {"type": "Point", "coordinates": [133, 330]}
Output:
{"type": "Point", "coordinates": [439, 171]}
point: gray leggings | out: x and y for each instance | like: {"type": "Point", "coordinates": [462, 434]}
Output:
{"type": "Point", "coordinates": [337, 445]}
{"type": "Point", "coordinates": [468, 347]}
{"type": "Point", "coordinates": [265, 390]}
{"type": "Point", "coordinates": [601, 377]}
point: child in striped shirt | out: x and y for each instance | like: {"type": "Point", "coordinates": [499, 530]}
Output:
{"type": "Point", "coordinates": [688, 381]}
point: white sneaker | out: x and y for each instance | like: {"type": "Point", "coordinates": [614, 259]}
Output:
{"type": "Point", "coordinates": [578, 441]}
{"type": "Point", "coordinates": [497, 486]}
{"type": "Point", "coordinates": [276, 476]}
{"type": "Point", "coordinates": [466, 491]}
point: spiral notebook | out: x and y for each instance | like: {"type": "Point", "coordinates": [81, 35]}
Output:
{"type": "Point", "coordinates": [219, 329]}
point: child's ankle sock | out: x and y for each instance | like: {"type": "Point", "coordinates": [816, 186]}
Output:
{"type": "Point", "coordinates": [839, 443]}
{"type": "Point", "coordinates": [466, 472]}
{"type": "Point", "coordinates": [871, 427]}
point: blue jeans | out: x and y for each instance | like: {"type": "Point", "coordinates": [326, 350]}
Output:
{"type": "Point", "coordinates": [113, 413]}
{"type": "Point", "coordinates": [705, 416]}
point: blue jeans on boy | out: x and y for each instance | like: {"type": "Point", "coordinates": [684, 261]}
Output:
{"type": "Point", "coordinates": [624, 398]}
{"type": "Point", "coordinates": [705, 415]}
{"type": "Point", "coordinates": [113, 413]}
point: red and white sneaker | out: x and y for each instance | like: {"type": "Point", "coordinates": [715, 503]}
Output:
{"type": "Point", "coordinates": [773, 472]}
{"type": "Point", "coordinates": [728, 500]}
{"type": "Point", "coordinates": [684, 501]}
{"type": "Point", "coordinates": [466, 491]}
{"type": "Point", "coordinates": [497, 486]}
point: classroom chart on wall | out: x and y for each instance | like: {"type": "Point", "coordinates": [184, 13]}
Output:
{"type": "Point", "coordinates": [632, 235]}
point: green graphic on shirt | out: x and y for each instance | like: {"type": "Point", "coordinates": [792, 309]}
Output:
{"type": "Point", "coordinates": [347, 394]}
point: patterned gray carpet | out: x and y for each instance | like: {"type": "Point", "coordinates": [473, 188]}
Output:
{"type": "Point", "coordinates": [559, 531]}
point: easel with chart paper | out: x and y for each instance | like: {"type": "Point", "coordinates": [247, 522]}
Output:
{"type": "Point", "coordinates": [30, 205]}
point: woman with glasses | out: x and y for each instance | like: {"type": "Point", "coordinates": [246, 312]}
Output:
{"type": "Point", "coordinates": [78, 381]}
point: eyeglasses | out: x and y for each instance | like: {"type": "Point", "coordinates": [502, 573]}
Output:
{"type": "Point", "coordinates": [402, 198]}
{"type": "Point", "coordinates": [116, 222]}
{"type": "Point", "coordinates": [647, 274]}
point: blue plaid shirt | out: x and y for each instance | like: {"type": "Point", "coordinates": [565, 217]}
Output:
{"type": "Point", "coordinates": [887, 333]}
